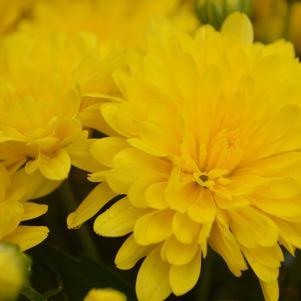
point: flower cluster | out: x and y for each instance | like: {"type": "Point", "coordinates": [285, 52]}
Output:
{"type": "Point", "coordinates": [206, 153]}
{"type": "Point", "coordinates": [199, 136]}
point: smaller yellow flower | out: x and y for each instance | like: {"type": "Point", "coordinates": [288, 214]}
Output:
{"type": "Point", "coordinates": [107, 294]}
{"type": "Point", "coordinates": [14, 267]}
{"type": "Point", "coordinates": [46, 105]}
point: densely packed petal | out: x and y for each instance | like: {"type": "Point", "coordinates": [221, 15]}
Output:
{"type": "Point", "coordinates": [47, 99]}
{"type": "Point", "coordinates": [206, 152]}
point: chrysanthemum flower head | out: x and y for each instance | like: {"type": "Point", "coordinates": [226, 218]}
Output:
{"type": "Point", "coordinates": [123, 20]}
{"type": "Point", "coordinates": [44, 101]}
{"type": "Point", "coordinates": [206, 153]}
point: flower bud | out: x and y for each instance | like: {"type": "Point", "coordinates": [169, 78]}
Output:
{"type": "Point", "coordinates": [214, 12]}
{"type": "Point", "coordinates": [14, 267]}
{"type": "Point", "coordinates": [106, 294]}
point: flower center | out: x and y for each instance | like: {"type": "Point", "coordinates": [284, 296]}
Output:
{"type": "Point", "coordinates": [211, 179]}
{"type": "Point", "coordinates": [203, 178]}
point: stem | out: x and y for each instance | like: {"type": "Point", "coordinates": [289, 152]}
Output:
{"type": "Point", "coordinates": [66, 193]}
{"type": "Point", "coordinates": [31, 294]}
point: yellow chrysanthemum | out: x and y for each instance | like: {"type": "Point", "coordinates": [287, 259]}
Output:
{"type": "Point", "coordinates": [206, 152]}
{"type": "Point", "coordinates": [106, 294]}
{"type": "Point", "coordinates": [47, 85]}
{"type": "Point", "coordinates": [15, 192]}
{"type": "Point", "coordinates": [14, 267]}
{"type": "Point", "coordinates": [123, 20]}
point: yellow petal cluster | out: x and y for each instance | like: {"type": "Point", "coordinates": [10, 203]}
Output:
{"type": "Point", "coordinates": [14, 267]}
{"type": "Point", "coordinates": [16, 191]}
{"type": "Point", "coordinates": [105, 294]}
{"type": "Point", "coordinates": [47, 85]}
{"type": "Point", "coordinates": [123, 20]}
{"type": "Point", "coordinates": [206, 152]}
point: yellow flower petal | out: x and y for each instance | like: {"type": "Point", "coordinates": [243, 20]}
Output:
{"type": "Point", "coordinates": [106, 148]}
{"type": "Point", "coordinates": [155, 195]}
{"type": "Point", "coordinates": [203, 210]}
{"type": "Point", "coordinates": [80, 155]}
{"type": "Point", "coordinates": [268, 256]}
{"type": "Point", "coordinates": [177, 253]}
{"type": "Point", "coordinates": [262, 271]}
{"type": "Point", "coordinates": [203, 237]}
{"type": "Point", "coordinates": [95, 200]}
{"type": "Point", "coordinates": [118, 220]}
{"type": "Point", "coordinates": [251, 228]}
{"type": "Point", "coordinates": [33, 210]}
{"type": "Point", "coordinates": [57, 167]}
{"type": "Point", "coordinates": [239, 26]}
{"type": "Point", "coordinates": [224, 243]}
{"type": "Point", "coordinates": [152, 280]}
{"type": "Point", "coordinates": [182, 196]}
{"type": "Point", "coordinates": [105, 294]}
{"type": "Point", "coordinates": [289, 231]}
{"type": "Point", "coordinates": [27, 237]}
{"type": "Point", "coordinates": [153, 227]}
{"type": "Point", "coordinates": [284, 188]}
{"type": "Point", "coordinates": [31, 186]}
{"type": "Point", "coordinates": [129, 253]}
{"type": "Point", "coordinates": [137, 191]}
{"type": "Point", "coordinates": [270, 290]}
{"type": "Point", "coordinates": [10, 216]}
{"type": "Point", "coordinates": [183, 278]}
{"type": "Point", "coordinates": [278, 208]}
{"type": "Point", "coordinates": [184, 229]}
